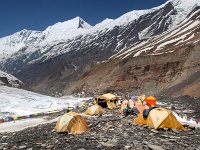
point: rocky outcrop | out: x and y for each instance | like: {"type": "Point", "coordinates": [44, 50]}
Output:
{"type": "Point", "coordinates": [9, 80]}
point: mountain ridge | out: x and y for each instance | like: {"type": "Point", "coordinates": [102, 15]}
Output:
{"type": "Point", "coordinates": [53, 66]}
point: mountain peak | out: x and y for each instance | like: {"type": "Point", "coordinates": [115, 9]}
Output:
{"type": "Point", "coordinates": [81, 23]}
{"type": "Point", "coordinates": [72, 24]}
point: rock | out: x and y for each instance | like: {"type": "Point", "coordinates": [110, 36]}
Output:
{"type": "Point", "coordinates": [145, 142]}
{"type": "Point", "coordinates": [173, 137]}
{"type": "Point", "coordinates": [22, 147]}
{"type": "Point", "coordinates": [144, 147]}
{"type": "Point", "coordinates": [190, 133]}
{"type": "Point", "coordinates": [192, 127]}
{"type": "Point", "coordinates": [50, 146]}
{"type": "Point", "coordinates": [125, 134]}
{"type": "Point", "coordinates": [91, 125]}
{"type": "Point", "coordinates": [198, 148]}
{"type": "Point", "coordinates": [30, 149]}
{"type": "Point", "coordinates": [43, 145]}
{"type": "Point", "coordinates": [15, 147]}
{"type": "Point", "coordinates": [191, 148]}
{"type": "Point", "coordinates": [3, 137]}
{"type": "Point", "coordinates": [113, 141]}
{"type": "Point", "coordinates": [128, 147]}
{"type": "Point", "coordinates": [164, 140]}
{"type": "Point", "coordinates": [166, 129]}
{"type": "Point", "coordinates": [138, 127]}
{"type": "Point", "coordinates": [154, 147]}
{"type": "Point", "coordinates": [175, 131]}
{"type": "Point", "coordinates": [120, 126]}
{"type": "Point", "coordinates": [107, 144]}
{"type": "Point", "coordinates": [81, 149]}
{"type": "Point", "coordinates": [111, 129]}
{"type": "Point", "coordinates": [135, 144]}
{"type": "Point", "coordinates": [183, 144]}
{"type": "Point", "coordinates": [100, 146]}
{"type": "Point", "coordinates": [151, 134]}
{"type": "Point", "coordinates": [172, 140]}
{"type": "Point", "coordinates": [166, 136]}
{"type": "Point", "coordinates": [154, 131]}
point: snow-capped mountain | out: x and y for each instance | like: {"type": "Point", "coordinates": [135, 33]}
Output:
{"type": "Point", "coordinates": [167, 64]}
{"type": "Point", "coordinates": [58, 32]}
{"type": "Point", "coordinates": [64, 31]}
{"type": "Point", "coordinates": [65, 52]}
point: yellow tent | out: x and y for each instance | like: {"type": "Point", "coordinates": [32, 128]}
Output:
{"type": "Point", "coordinates": [159, 118]}
{"type": "Point", "coordinates": [72, 123]}
{"type": "Point", "coordinates": [94, 110]}
{"type": "Point", "coordinates": [106, 101]}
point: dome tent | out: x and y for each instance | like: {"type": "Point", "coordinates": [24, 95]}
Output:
{"type": "Point", "coordinates": [106, 101]}
{"type": "Point", "coordinates": [72, 123]}
{"type": "Point", "coordinates": [94, 110]}
{"type": "Point", "coordinates": [159, 118]}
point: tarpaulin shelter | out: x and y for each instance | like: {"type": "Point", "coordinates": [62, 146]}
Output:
{"type": "Point", "coordinates": [72, 123]}
{"type": "Point", "coordinates": [94, 110]}
{"type": "Point", "coordinates": [159, 118]}
{"type": "Point", "coordinates": [106, 101]}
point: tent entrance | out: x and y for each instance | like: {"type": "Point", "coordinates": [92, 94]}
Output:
{"type": "Point", "coordinates": [102, 103]}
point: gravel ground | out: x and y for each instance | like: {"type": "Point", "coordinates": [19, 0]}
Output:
{"type": "Point", "coordinates": [110, 131]}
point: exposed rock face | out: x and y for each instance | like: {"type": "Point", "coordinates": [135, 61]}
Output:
{"type": "Point", "coordinates": [171, 70]}
{"type": "Point", "coordinates": [9, 80]}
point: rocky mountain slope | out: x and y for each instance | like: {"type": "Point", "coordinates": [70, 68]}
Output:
{"type": "Point", "coordinates": [167, 64]}
{"type": "Point", "coordinates": [9, 80]}
{"type": "Point", "coordinates": [67, 57]}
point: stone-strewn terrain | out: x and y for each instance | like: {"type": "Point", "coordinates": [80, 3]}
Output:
{"type": "Point", "coordinates": [110, 131]}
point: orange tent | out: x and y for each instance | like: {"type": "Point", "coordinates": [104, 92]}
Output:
{"type": "Point", "coordinates": [150, 101]}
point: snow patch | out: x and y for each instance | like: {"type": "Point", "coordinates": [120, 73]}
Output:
{"type": "Point", "coordinates": [20, 102]}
